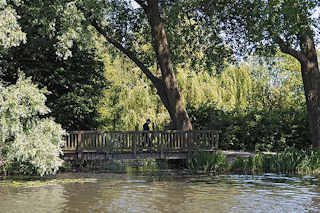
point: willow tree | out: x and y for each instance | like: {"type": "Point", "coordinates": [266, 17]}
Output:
{"type": "Point", "coordinates": [291, 26]}
{"type": "Point", "coordinates": [129, 101]}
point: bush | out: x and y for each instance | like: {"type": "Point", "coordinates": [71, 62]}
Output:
{"type": "Point", "coordinates": [29, 142]}
{"type": "Point", "coordinates": [254, 130]}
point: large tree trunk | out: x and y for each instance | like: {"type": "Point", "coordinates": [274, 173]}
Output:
{"type": "Point", "coordinates": [307, 56]}
{"type": "Point", "coordinates": [167, 87]}
{"type": "Point", "coordinates": [311, 82]}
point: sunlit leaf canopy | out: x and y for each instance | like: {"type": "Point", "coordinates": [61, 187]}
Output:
{"type": "Point", "coordinates": [259, 24]}
{"type": "Point", "coordinates": [197, 41]}
{"type": "Point", "coordinates": [192, 36]}
{"type": "Point", "coordinates": [10, 31]}
{"type": "Point", "coordinates": [26, 138]}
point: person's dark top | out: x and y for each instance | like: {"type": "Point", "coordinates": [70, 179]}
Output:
{"type": "Point", "coordinates": [146, 127]}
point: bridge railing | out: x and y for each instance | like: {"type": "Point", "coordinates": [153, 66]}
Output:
{"type": "Point", "coordinates": [141, 141]}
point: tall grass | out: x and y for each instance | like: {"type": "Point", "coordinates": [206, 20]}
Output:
{"type": "Point", "coordinates": [290, 161]}
{"type": "Point", "coordinates": [208, 162]}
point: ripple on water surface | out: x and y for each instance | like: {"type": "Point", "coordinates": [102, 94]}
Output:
{"type": "Point", "coordinates": [167, 194]}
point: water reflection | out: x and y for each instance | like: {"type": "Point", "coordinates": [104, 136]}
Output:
{"type": "Point", "coordinates": [42, 199]}
{"type": "Point", "coordinates": [167, 194]}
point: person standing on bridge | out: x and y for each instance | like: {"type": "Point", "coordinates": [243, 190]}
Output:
{"type": "Point", "coordinates": [146, 128]}
{"type": "Point", "coordinates": [146, 125]}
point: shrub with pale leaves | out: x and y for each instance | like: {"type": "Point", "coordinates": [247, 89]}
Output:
{"type": "Point", "coordinates": [29, 143]}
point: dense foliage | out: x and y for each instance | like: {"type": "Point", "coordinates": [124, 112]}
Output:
{"type": "Point", "coordinates": [264, 27]}
{"type": "Point", "coordinates": [75, 85]}
{"type": "Point", "coordinates": [256, 130]}
{"type": "Point", "coordinates": [262, 110]}
{"type": "Point", "coordinates": [256, 105]}
{"type": "Point", "coordinates": [10, 30]}
{"type": "Point", "coordinates": [29, 144]}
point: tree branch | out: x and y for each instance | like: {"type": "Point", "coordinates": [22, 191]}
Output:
{"type": "Point", "coordinates": [142, 4]}
{"type": "Point", "coordinates": [90, 18]}
{"type": "Point", "coordinates": [127, 52]}
{"type": "Point", "coordinates": [286, 48]}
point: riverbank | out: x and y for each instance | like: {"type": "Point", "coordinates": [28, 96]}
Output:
{"type": "Point", "coordinates": [233, 155]}
{"type": "Point", "coordinates": [290, 161]}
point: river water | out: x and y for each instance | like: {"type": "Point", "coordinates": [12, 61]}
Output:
{"type": "Point", "coordinates": [162, 192]}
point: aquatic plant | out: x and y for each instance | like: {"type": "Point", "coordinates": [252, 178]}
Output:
{"type": "Point", "coordinates": [208, 162]}
{"type": "Point", "coordinates": [290, 161]}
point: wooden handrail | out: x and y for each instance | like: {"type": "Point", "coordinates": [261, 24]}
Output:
{"type": "Point", "coordinates": [141, 141]}
{"type": "Point", "coordinates": [133, 131]}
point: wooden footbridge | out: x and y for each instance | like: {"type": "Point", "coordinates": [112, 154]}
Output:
{"type": "Point", "coordinates": [117, 145]}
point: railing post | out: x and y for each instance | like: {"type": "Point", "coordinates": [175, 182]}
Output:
{"type": "Point", "coordinates": [189, 144]}
{"type": "Point", "coordinates": [217, 139]}
{"type": "Point", "coordinates": [190, 139]}
{"type": "Point", "coordinates": [79, 146]}
{"type": "Point", "coordinates": [193, 140]}
{"type": "Point", "coordinates": [134, 144]}
{"type": "Point", "coordinates": [162, 142]}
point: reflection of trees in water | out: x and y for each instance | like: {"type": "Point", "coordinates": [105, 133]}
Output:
{"type": "Point", "coordinates": [31, 200]}
{"type": "Point", "coordinates": [208, 196]}
{"type": "Point", "coordinates": [122, 193]}
{"type": "Point", "coordinates": [273, 194]}
{"type": "Point", "coordinates": [315, 204]}
{"type": "Point", "coordinates": [91, 196]}
{"type": "Point", "coordinates": [125, 194]}
{"type": "Point", "coordinates": [81, 197]}
{"type": "Point", "coordinates": [169, 194]}
{"type": "Point", "coordinates": [148, 194]}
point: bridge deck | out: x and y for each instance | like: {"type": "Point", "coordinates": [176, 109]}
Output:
{"type": "Point", "coordinates": [103, 145]}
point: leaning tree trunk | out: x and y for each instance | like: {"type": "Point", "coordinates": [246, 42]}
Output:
{"type": "Point", "coordinates": [167, 87]}
{"type": "Point", "coordinates": [311, 82]}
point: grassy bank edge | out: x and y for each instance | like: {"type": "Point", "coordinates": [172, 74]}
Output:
{"type": "Point", "coordinates": [290, 161]}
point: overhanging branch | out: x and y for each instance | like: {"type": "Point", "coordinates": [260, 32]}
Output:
{"type": "Point", "coordinates": [116, 44]}
{"type": "Point", "coordinates": [286, 48]}
{"type": "Point", "coordinates": [127, 52]}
